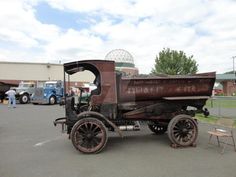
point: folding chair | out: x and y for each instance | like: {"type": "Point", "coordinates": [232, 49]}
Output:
{"type": "Point", "coordinates": [223, 130]}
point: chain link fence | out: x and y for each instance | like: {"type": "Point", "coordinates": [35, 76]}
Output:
{"type": "Point", "coordinates": [222, 106]}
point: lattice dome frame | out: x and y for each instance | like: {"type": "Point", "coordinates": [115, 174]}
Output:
{"type": "Point", "coordinates": [120, 56]}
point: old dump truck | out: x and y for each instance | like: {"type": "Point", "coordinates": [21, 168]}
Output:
{"type": "Point", "coordinates": [118, 103]}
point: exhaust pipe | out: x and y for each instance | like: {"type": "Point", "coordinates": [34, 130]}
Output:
{"type": "Point", "coordinates": [135, 127]}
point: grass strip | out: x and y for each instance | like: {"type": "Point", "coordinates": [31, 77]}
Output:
{"type": "Point", "coordinates": [216, 103]}
{"type": "Point", "coordinates": [210, 119]}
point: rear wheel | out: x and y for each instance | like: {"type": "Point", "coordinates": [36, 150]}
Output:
{"type": "Point", "coordinates": [89, 135]}
{"type": "Point", "coordinates": [24, 98]}
{"type": "Point", "coordinates": [183, 130]}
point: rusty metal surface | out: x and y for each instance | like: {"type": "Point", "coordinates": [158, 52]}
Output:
{"type": "Point", "coordinates": [108, 93]}
{"type": "Point", "coordinates": [106, 70]}
{"type": "Point", "coordinates": [151, 98]}
{"type": "Point", "coordinates": [140, 89]}
{"type": "Point", "coordinates": [187, 98]}
{"type": "Point", "coordinates": [118, 102]}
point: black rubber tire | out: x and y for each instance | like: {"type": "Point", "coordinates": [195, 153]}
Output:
{"type": "Point", "coordinates": [85, 131]}
{"type": "Point", "coordinates": [52, 100]}
{"type": "Point", "coordinates": [183, 130]}
{"type": "Point", "coordinates": [24, 99]}
{"type": "Point", "coordinates": [157, 128]}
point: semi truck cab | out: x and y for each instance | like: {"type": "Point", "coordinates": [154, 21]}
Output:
{"type": "Point", "coordinates": [51, 93]}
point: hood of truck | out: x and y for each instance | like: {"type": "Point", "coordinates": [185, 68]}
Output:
{"type": "Point", "coordinates": [43, 92]}
{"type": "Point", "coordinates": [21, 89]}
{"type": "Point", "coordinates": [49, 89]}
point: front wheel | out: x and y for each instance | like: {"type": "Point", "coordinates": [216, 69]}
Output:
{"type": "Point", "coordinates": [183, 130]}
{"type": "Point", "coordinates": [52, 100]}
{"type": "Point", "coordinates": [89, 135]}
{"type": "Point", "coordinates": [24, 98]}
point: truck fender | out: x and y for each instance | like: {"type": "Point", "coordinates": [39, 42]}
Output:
{"type": "Point", "coordinates": [23, 92]}
{"type": "Point", "coordinates": [51, 94]}
{"type": "Point", "coordinates": [100, 117]}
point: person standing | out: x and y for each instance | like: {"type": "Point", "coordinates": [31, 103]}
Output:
{"type": "Point", "coordinates": [11, 98]}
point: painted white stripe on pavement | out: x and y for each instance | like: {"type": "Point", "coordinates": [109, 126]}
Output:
{"type": "Point", "coordinates": [46, 141]}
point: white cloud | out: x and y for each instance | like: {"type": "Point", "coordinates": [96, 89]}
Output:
{"type": "Point", "coordinates": [75, 44]}
{"type": "Point", "coordinates": [19, 25]}
{"type": "Point", "coordinates": [205, 29]}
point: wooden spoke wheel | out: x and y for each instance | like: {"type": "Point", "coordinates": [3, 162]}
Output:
{"type": "Point", "coordinates": [89, 135]}
{"type": "Point", "coordinates": [183, 130]}
{"type": "Point", "coordinates": [157, 128]}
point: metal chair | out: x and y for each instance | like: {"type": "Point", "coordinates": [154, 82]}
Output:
{"type": "Point", "coordinates": [223, 130]}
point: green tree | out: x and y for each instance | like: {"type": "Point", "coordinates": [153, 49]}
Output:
{"type": "Point", "coordinates": [174, 62]}
{"type": "Point", "coordinates": [230, 72]}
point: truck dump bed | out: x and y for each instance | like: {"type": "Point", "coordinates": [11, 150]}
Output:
{"type": "Point", "coordinates": [154, 88]}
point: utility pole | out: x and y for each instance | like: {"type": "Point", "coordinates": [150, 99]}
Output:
{"type": "Point", "coordinates": [233, 65]}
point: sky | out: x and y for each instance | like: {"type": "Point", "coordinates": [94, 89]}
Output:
{"type": "Point", "coordinates": [54, 31]}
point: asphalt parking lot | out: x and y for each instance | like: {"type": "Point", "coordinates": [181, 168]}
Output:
{"type": "Point", "coordinates": [30, 146]}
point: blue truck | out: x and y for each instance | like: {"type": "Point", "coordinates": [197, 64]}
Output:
{"type": "Point", "coordinates": [51, 93]}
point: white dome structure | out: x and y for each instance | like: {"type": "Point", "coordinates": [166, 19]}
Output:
{"type": "Point", "coordinates": [124, 61]}
{"type": "Point", "coordinates": [121, 57]}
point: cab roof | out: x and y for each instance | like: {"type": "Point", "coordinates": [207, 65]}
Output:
{"type": "Point", "coordinates": [81, 65]}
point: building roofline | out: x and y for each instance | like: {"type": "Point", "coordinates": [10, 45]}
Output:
{"type": "Point", "coordinates": [224, 77]}
{"type": "Point", "coordinates": [30, 63]}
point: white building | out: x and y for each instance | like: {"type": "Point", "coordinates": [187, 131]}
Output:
{"type": "Point", "coordinates": [15, 72]}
